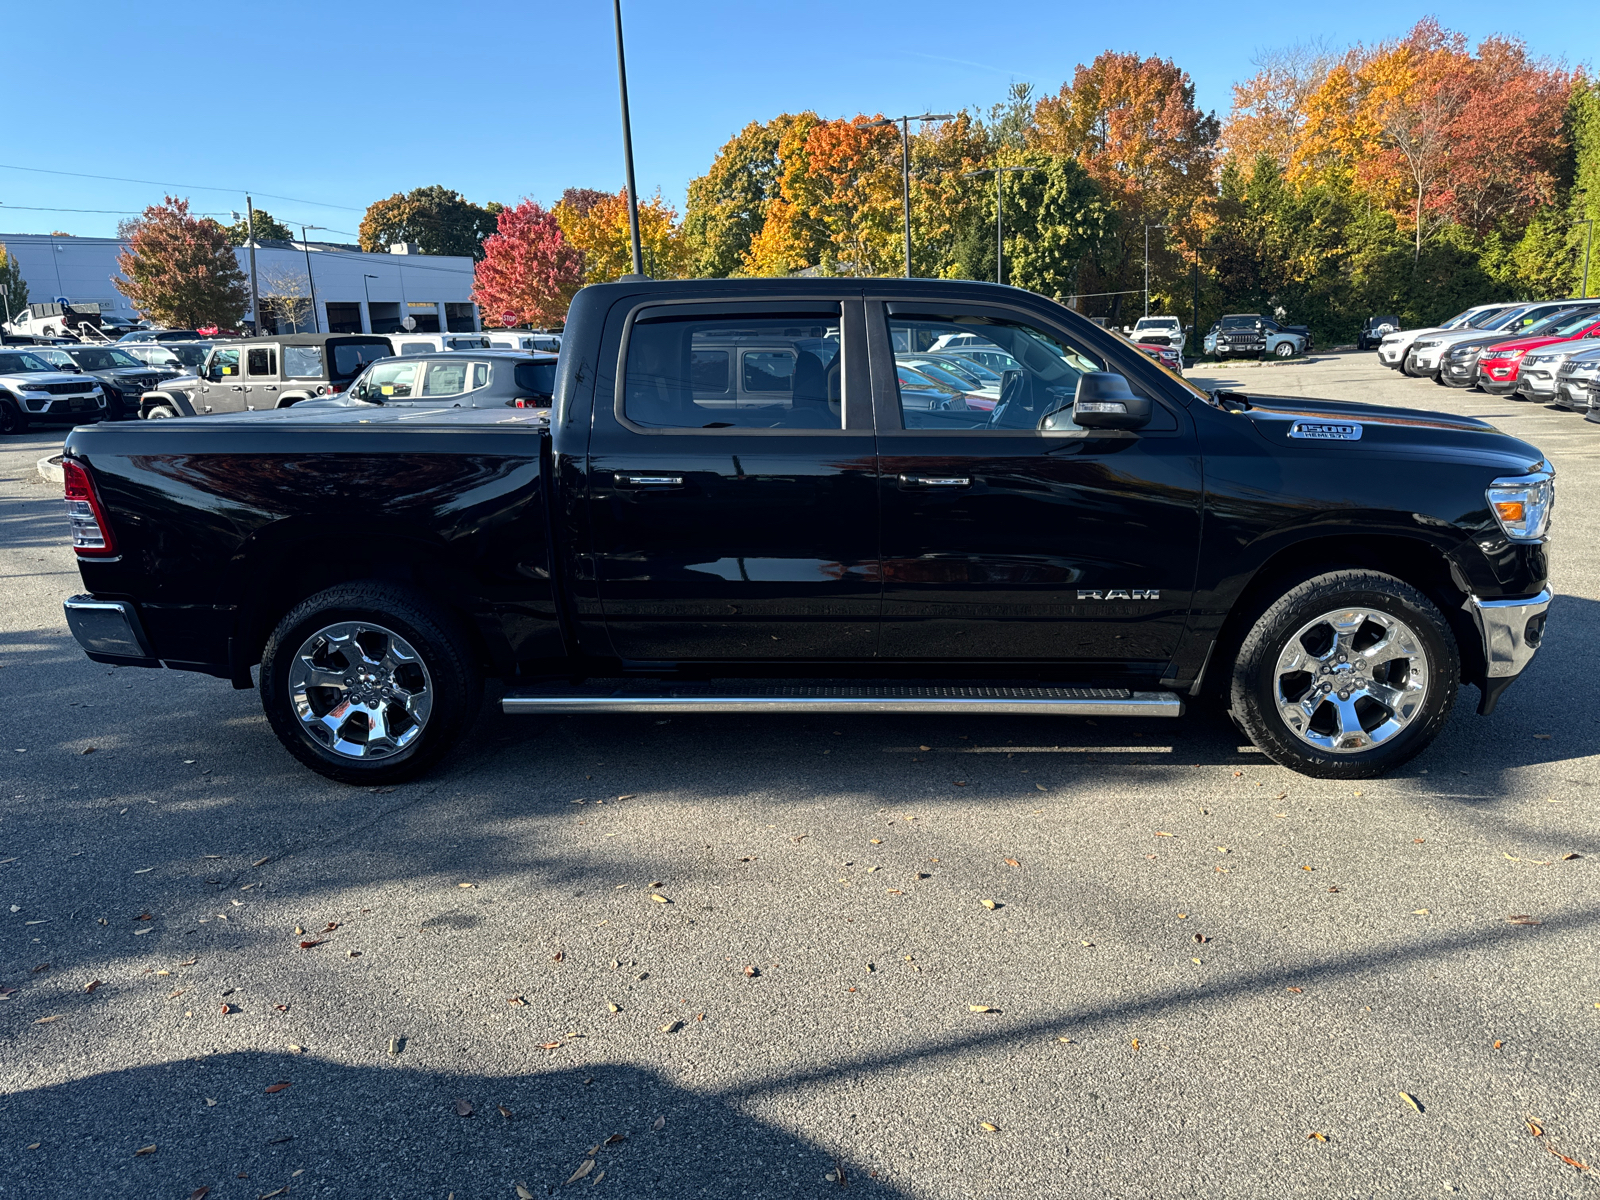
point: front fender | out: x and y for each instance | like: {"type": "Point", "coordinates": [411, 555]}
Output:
{"type": "Point", "coordinates": [177, 399]}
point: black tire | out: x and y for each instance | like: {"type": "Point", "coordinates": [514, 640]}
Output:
{"type": "Point", "coordinates": [11, 419]}
{"type": "Point", "coordinates": [1253, 691]}
{"type": "Point", "coordinates": [160, 412]}
{"type": "Point", "coordinates": [449, 677]}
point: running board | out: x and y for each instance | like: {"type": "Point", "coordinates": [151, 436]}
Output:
{"type": "Point", "coordinates": [691, 698]}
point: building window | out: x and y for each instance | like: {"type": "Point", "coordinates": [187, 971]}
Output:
{"type": "Point", "coordinates": [459, 318]}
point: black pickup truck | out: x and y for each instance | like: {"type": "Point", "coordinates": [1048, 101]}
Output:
{"type": "Point", "coordinates": [730, 506]}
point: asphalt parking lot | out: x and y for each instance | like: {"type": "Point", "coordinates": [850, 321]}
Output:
{"type": "Point", "coordinates": [724, 956]}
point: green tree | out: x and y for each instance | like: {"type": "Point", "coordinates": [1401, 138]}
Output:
{"type": "Point", "coordinates": [179, 269]}
{"type": "Point", "coordinates": [728, 205]}
{"type": "Point", "coordinates": [267, 227]}
{"type": "Point", "coordinates": [439, 220]}
{"type": "Point", "coordinates": [11, 279]}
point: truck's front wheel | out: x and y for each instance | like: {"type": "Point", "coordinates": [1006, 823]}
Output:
{"type": "Point", "coordinates": [1346, 676]}
{"type": "Point", "coordinates": [368, 683]}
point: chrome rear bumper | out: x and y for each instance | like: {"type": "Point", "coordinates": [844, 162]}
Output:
{"type": "Point", "coordinates": [109, 631]}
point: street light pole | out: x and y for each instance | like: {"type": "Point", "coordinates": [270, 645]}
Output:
{"type": "Point", "coordinates": [627, 146]}
{"type": "Point", "coordinates": [316, 321]}
{"type": "Point", "coordinates": [905, 163]}
{"type": "Point", "coordinates": [255, 291]}
{"type": "Point", "coordinates": [1587, 243]}
{"type": "Point", "coordinates": [1147, 230]}
{"type": "Point", "coordinates": [999, 214]}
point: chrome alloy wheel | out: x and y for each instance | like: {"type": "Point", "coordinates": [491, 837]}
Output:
{"type": "Point", "coordinates": [360, 690]}
{"type": "Point", "coordinates": [1351, 679]}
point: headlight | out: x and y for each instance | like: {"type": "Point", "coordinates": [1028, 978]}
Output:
{"type": "Point", "coordinates": [1424, 345]}
{"type": "Point", "coordinates": [1586, 368]}
{"type": "Point", "coordinates": [1522, 505]}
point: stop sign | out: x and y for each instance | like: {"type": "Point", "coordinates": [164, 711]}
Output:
{"type": "Point", "coordinates": [508, 319]}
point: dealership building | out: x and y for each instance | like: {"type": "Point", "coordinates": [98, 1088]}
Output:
{"type": "Point", "coordinates": [305, 287]}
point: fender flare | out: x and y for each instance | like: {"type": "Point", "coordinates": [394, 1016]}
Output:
{"type": "Point", "coordinates": [177, 399]}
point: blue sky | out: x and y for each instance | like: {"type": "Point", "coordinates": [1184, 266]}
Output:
{"type": "Point", "coordinates": [322, 108]}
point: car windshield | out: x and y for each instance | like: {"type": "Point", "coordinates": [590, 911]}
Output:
{"type": "Point", "coordinates": [940, 374]}
{"type": "Point", "coordinates": [971, 373]}
{"type": "Point", "coordinates": [186, 356]}
{"type": "Point", "coordinates": [1563, 324]}
{"type": "Point", "coordinates": [103, 360]}
{"type": "Point", "coordinates": [1389, 320]}
{"type": "Point", "coordinates": [1497, 318]}
{"type": "Point", "coordinates": [56, 358]}
{"type": "Point", "coordinates": [21, 364]}
{"type": "Point", "coordinates": [1240, 322]}
{"type": "Point", "coordinates": [350, 358]}
{"type": "Point", "coordinates": [916, 377]}
{"type": "Point", "coordinates": [1157, 323]}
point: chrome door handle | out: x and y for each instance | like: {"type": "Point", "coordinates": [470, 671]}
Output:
{"type": "Point", "coordinates": [640, 480]}
{"type": "Point", "coordinates": [935, 481]}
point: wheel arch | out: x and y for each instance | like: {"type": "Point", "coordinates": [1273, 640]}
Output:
{"type": "Point", "coordinates": [1413, 560]}
{"type": "Point", "coordinates": [290, 562]}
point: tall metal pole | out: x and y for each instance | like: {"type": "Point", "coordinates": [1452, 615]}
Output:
{"type": "Point", "coordinates": [1588, 242]}
{"type": "Point", "coordinates": [316, 321]}
{"type": "Point", "coordinates": [627, 145]}
{"type": "Point", "coordinates": [1147, 270]}
{"type": "Point", "coordinates": [905, 176]}
{"type": "Point", "coordinates": [999, 228]}
{"type": "Point", "coordinates": [250, 235]}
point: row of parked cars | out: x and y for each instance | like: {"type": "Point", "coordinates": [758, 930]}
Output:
{"type": "Point", "coordinates": [173, 373]}
{"type": "Point", "coordinates": [1546, 351]}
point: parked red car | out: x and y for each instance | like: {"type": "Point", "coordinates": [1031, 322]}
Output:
{"type": "Point", "coordinates": [1168, 356]}
{"type": "Point", "coordinates": [1498, 364]}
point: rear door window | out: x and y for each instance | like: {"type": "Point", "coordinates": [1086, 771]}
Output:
{"type": "Point", "coordinates": [261, 360]}
{"type": "Point", "coordinates": [446, 378]}
{"type": "Point", "coordinates": [762, 371]}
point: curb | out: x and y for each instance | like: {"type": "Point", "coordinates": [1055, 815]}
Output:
{"type": "Point", "coordinates": [50, 468]}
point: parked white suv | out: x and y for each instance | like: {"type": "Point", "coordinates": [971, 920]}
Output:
{"type": "Point", "coordinates": [432, 343]}
{"type": "Point", "coordinates": [32, 391]}
{"type": "Point", "coordinates": [1159, 331]}
{"type": "Point", "coordinates": [1395, 346]}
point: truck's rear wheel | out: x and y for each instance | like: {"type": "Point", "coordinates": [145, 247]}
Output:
{"type": "Point", "coordinates": [368, 683]}
{"type": "Point", "coordinates": [160, 412]}
{"type": "Point", "coordinates": [1346, 676]}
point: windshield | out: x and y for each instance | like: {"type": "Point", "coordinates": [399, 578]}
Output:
{"type": "Point", "coordinates": [941, 374]}
{"type": "Point", "coordinates": [56, 358]}
{"type": "Point", "coordinates": [971, 373]}
{"type": "Point", "coordinates": [187, 356]}
{"type": "Point", "coordinates": [350, 358]}
{"type": "Point", "coordinates": [1497, 318]}
{"type": "Point", "coordinates": [103, 360]}
{"type": "Point", "coordinates": [1239, 322]}
{"type": "Point", "coordinates": [1564, 324]}
{"type": "Point", "coordinates": [1551, 324]}
{"type": "Point", "coordinates": [20, 364]}
{"type": "Point", "coordinates": [1157, 323]}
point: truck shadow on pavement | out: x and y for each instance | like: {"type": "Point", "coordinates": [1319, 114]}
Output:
{"type": "Point", "coordinates": [395, 1130]}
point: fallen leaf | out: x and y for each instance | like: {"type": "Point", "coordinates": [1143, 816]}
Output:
{"type": "Point", "coordinates": [144, 870]}
{"type": "Point", "coordinates": [466, 885]}
{"type": "Point", "coordinates": [87, 750]}
{"type": "Point", "coordinates": [200, 1193]}
{"type": "Point", "coordinates": [1570, 857]}
{"type": "Point", "coordinates": [1040, 786]}
{"type": "Point", "coordinates": [672, 1027]}
{"type": "Point", "coordinates": [549, 1045]}
{"type": "Point", "coordinates": [47, 1020]}
{"type": "Point", "coordinates": [503, 1111]}
{"type": "Point", "coordinates": [1295, 990]}
{"type": "Point", "coordinates": [1523, 919]}
{"type": "Point", "coordinates": [308, 945]}
{"type": "Point", "coordinates": [1135, 1043]}
{"type": "Point", "coordinates": [1411, 1100]}
{"type": "Point", "coordinates": [273, 1088]}
{"type": "Point", "coordinates": [278, 1192]}
{"type": "Point", "coordinates": [1321, 1137]}
{"type": "Point", "coordinates": [150, 1149]}
{"type": "Point", "coordinates": [89, 987]}
{"type": "Point", "coordinates": [523, 1193]}
{"type": "Point", "coordinates": [613, 1008]}
{"type": "Point", "coordinates": [1419, 912]}
{"type": "Point", "coordinates": [989, 904]}
{"type": "Point", "coordinates": [1160, 834]}
{"type": "Point", "coordinates": [985, 1125]}
{"type": "Point", "coordinates": [1498, 1044]}
{"type": "Point", "coordinates": [1201, 938]}
{"type": "Point", "coordinates": [1571, 1162]}
{"type": "Point", "coordinates": [281, 1007]}
{"type": "Point", "coordinates": [1534, 1127]}
{"type": "Point", "coordinates": [210, 1103]}
{"type": "Point", "coordinates": [752, 972]}
{"type": "Point", "coordinates": [877, 841]}
{"type": "Point", "coordinates": [34, 1145]}
{"type": "Point", "coordinates": [1539, 737]}
{"type": "Point", "coordinates": [330, 927]}
{"type": "Point", "coordinates": [463, 1108]}
{"type": "Point", "coordinates": [1011, 862]}
{"type": "Point", "coordinates": [583, 1169]}
{"type": "Point", "coordinates": [261, 862]}
{"type": "Point", "coordinates": [659, 898]}
{"type": "Point", "coordinates": [558, 956]}
{"type": "Point", "coordinates": [516, 1000]}
{"type": "Point", "coordinates": [658, 1124]}
{"type": "Point", "coordinates": [1084, 943]}
{"type": "Point", "coordinates": [981, 1008]}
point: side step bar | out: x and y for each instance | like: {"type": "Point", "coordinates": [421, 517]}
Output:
{"type": "Point", "coordinates": [699, 698]}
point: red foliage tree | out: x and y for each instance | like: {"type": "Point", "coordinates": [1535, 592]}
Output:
{"type": "Point", "coordinates": [529, 268]}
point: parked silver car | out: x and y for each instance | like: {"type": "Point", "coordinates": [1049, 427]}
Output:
{"type": "Point", "coordinates": [1576, 383]}
{"type": "Point", "coordinates": [1537, 377]}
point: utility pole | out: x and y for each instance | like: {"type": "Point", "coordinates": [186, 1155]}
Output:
{"type": "Point", "coordinates": [627, 146]}
{"type": "Point", "coordinates": [316, 321]}
{"type": "Point", "coordinates": [250, 234]}
{"type": "Point", "coordinates": [999, 214]}
{"type": "Point", "coordinates": [1147, 230]}
{"type": "Point", "coordinates": [905, 163]}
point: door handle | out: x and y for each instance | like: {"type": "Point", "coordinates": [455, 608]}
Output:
{"type": "Point", "coordinates": [935, 481]}
{"type": "Point", "coordinates": [652, 480]}
{"type": "Point", "coordinates": [237, 387]}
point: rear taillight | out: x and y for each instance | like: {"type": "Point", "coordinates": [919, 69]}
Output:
{"type": "Point", "coordinates": [91, 532]}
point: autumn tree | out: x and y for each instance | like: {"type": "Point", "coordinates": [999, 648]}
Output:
{"type": "Point", "coordinates": [728, 206]}
{"type": "Point", "coordinates": [439, 220]}
{"type": "Point", "coordinates": [16, 287]}
{"type": "Point", "coordinates": [179, 270]}
{"type": "Point", "coordinates": [529, 269]}
{"type": "Point", "coordinates": [1270, 108]}
{"type": "Point", "coordinates": [267, 227]}
{"type": "Point", "coordinates": [596, 224]}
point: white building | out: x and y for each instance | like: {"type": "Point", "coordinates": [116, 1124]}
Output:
{"type": "Point", "coordinates": [355, 292]}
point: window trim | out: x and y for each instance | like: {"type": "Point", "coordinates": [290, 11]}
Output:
{"type": "Point", "coordinates": [845, 308]}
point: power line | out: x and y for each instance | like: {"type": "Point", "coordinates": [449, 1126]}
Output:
{"type": "Point", "coordinates": [196, 187]}
{"type": "Point", "coordinates": [115, 212]}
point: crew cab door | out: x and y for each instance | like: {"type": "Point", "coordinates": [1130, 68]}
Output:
{"type": "Point", "coordinates": [261, 377]}
{"type": "Point", "coordinates": [731, 482]}
{"type": "Point", "coordinates": [1004, 541]}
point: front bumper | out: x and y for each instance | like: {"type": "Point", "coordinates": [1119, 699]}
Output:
{"type": "Point", "coordinates": [1537, 384]}
{"type": "Point", "coordinates": [1461, 371]}
{"type": "Point", "coordinates": [109, 631]}
{"type": "Point", "coordinates": [1392, 356]}
{"type": "Point", "coordinates": [1511, 631]}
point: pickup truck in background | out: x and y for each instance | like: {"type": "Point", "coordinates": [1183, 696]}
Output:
{"type": "Point", "coordinates": [730, 505]}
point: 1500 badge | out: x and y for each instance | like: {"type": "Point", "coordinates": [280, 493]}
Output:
{"type": "Point", "coordinates": [1326, 431]}
{"type": "Point", "coordinates": [1120, 594]}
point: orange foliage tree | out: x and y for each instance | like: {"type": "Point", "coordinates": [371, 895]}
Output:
{"type": "Point", "coordinates": [528, 270]}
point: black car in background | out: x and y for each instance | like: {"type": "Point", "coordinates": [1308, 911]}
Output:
{"type": "Point", "coordinates": [183, 357]}
{"type": "Point", "coordinates": [1373, 329]}
{"type": "Point", "coordinates": [123, 376]}
{"type": "Point", "coordinates": [161, 335]}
